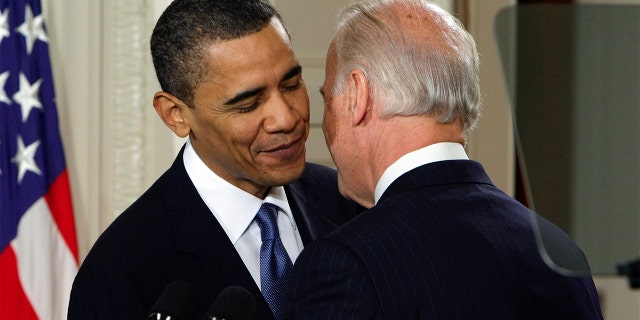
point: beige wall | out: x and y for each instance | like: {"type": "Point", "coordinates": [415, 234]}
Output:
{"type": "Point", "coordinates": [116, 147]}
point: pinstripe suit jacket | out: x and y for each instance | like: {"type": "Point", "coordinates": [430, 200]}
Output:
{"type": "Point", "coordinates": [169, 234]}
{"type": "Point", "coordinates": [442, 243]}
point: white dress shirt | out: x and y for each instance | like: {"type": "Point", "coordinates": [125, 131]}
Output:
{"type": "Point", "coordinates": [236, 209]}
{"type": "Point", "coordinates": [432, 153]}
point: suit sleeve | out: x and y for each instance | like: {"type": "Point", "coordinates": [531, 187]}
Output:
{"type": "Point", "coordinates": [330, 282]}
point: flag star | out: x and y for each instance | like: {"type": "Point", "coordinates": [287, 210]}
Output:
{"type": "Point", "coordinates": [24, 158]}
{"type": "Point", "coordinates": [32, 28]}
{"type": "Point", "coordinates": [4, 24]}
{"type": "Point", "coordinates": [27, 96]}
{"type": "Point", "coordinates": [3, 94]}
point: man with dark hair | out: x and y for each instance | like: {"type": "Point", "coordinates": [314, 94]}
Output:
{"type": "Point", "coordinates": [231, 84]}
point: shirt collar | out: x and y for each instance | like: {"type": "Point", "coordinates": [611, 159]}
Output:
{"type": "Point", "coordinates": [233, 207]}
{"type": "Point", "coordinates": [432, 153]}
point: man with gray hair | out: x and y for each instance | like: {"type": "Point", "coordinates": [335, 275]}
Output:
{"type": "Point", "coordinates": [439, 240]}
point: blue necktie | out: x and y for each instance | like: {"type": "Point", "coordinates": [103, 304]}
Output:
{"type": "Point", "coordinates": [275, 264]}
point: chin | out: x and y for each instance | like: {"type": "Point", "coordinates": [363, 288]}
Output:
{"type": "Point", "coordinates": [286, 175]}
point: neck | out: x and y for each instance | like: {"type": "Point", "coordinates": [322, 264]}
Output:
{"type": "Point", "coordinates": [400, 135]}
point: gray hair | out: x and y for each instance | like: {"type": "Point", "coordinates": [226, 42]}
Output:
{"type": "Point", "coordinates": [408, 75]}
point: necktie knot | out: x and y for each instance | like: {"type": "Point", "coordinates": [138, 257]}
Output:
{"type": "Point", "coordinates": [267, 219]}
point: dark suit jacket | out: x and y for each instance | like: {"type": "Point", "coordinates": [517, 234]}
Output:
{"type": "Point", "coordinates": [169, 234]}
{"type": "Point", "coordinates": [442, 243]}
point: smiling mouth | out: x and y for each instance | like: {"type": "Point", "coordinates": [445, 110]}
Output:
{"type": "Point", "coordinates": [286, 151]}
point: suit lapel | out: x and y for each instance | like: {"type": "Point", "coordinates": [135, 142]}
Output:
{"type": "Point", "coordinates": [300, 209]}
{"type": "Point", "coordinates": [316, 209]}
{"type": "Point", "coordinates": [197, 232]}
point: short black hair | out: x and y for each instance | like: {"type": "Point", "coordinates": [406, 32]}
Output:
{"type": "Point", "coordinates": [187, 27]}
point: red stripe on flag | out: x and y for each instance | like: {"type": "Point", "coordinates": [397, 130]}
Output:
{"type": "Point", "coordinates": [59, 201]}
{"type": "Point", "coordinates": [14, 304]}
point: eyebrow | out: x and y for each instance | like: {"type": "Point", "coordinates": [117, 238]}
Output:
{"type": "Point", "coordinates": [292, 73]}
{"type": "Point", "coordinates": [253, 92]}
{"type": "Point", "coordinates": [244, 95]}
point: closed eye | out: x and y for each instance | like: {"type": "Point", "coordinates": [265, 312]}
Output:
{"type": "Point", "coordinates": [246, 109]}
{"type": "Point", "coordinates": [292, 80]}
{"type": "Point", "coordinates": [294, 86]}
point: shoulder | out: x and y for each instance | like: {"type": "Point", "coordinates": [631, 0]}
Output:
{"type": "Point", "coordinates": [558, 249]}
{"type": "Point", "coordinates": [316, 173]}
{"type": "Point", "coordinates": [141, 226]}
{"type": "Point", "coordinates": [317, 184]}
{"type": "Point", "coordinates": [131, 261]}
{"type": "Point", "coordinates": [131, 232]}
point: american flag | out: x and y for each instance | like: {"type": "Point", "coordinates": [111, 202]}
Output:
{"type": "Point", "coordinates": [38, 246]}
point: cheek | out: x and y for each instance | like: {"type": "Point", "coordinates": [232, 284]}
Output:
{"type": "Point", "coordinates": [241, 137]}
{"type": "Point", "coordinates": [328, 128]}
{"type": "Point", "coordinates": [348, 184]}
{"type": "Point", "coordinates": [299, 100]}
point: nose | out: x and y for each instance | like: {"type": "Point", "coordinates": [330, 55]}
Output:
{"type": "Point", "coordinates": [282, 116]}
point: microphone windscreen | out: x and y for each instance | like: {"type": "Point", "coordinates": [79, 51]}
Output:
{"type": "Point", "coordinates": [233, 303]}
{"type": "Point", "coordinates": [180, 300]}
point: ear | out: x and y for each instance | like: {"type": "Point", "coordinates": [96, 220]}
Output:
{"type": "Point", "coordinates": [171, 110]}
{"type": "Point", "coordinates": [358, 96]}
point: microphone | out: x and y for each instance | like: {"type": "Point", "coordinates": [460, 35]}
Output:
{"type": "Point", "coordinates": [178, 301]}
{"type": "Point", "coordinates": [233, 303]}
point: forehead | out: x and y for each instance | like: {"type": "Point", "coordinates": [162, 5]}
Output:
{"type": "Point", "coordinates": [267, 51]}
{"type": "Point", "coordinates": [330, 70]}
{"type": "Point", "coordinates": [255, 62]}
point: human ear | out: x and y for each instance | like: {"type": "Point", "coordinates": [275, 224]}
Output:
{"type": "Point", "coordinates": [171, 110]}
{"type": "Point", "coordinates": [358, 96]}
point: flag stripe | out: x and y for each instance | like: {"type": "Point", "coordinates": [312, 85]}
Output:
{"type": "Point", "coordinates": [13, 301]}
{"type": "Point", "coordinates": [59, 201]}
{"type": "Point", "coordinates": [46, 267]}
